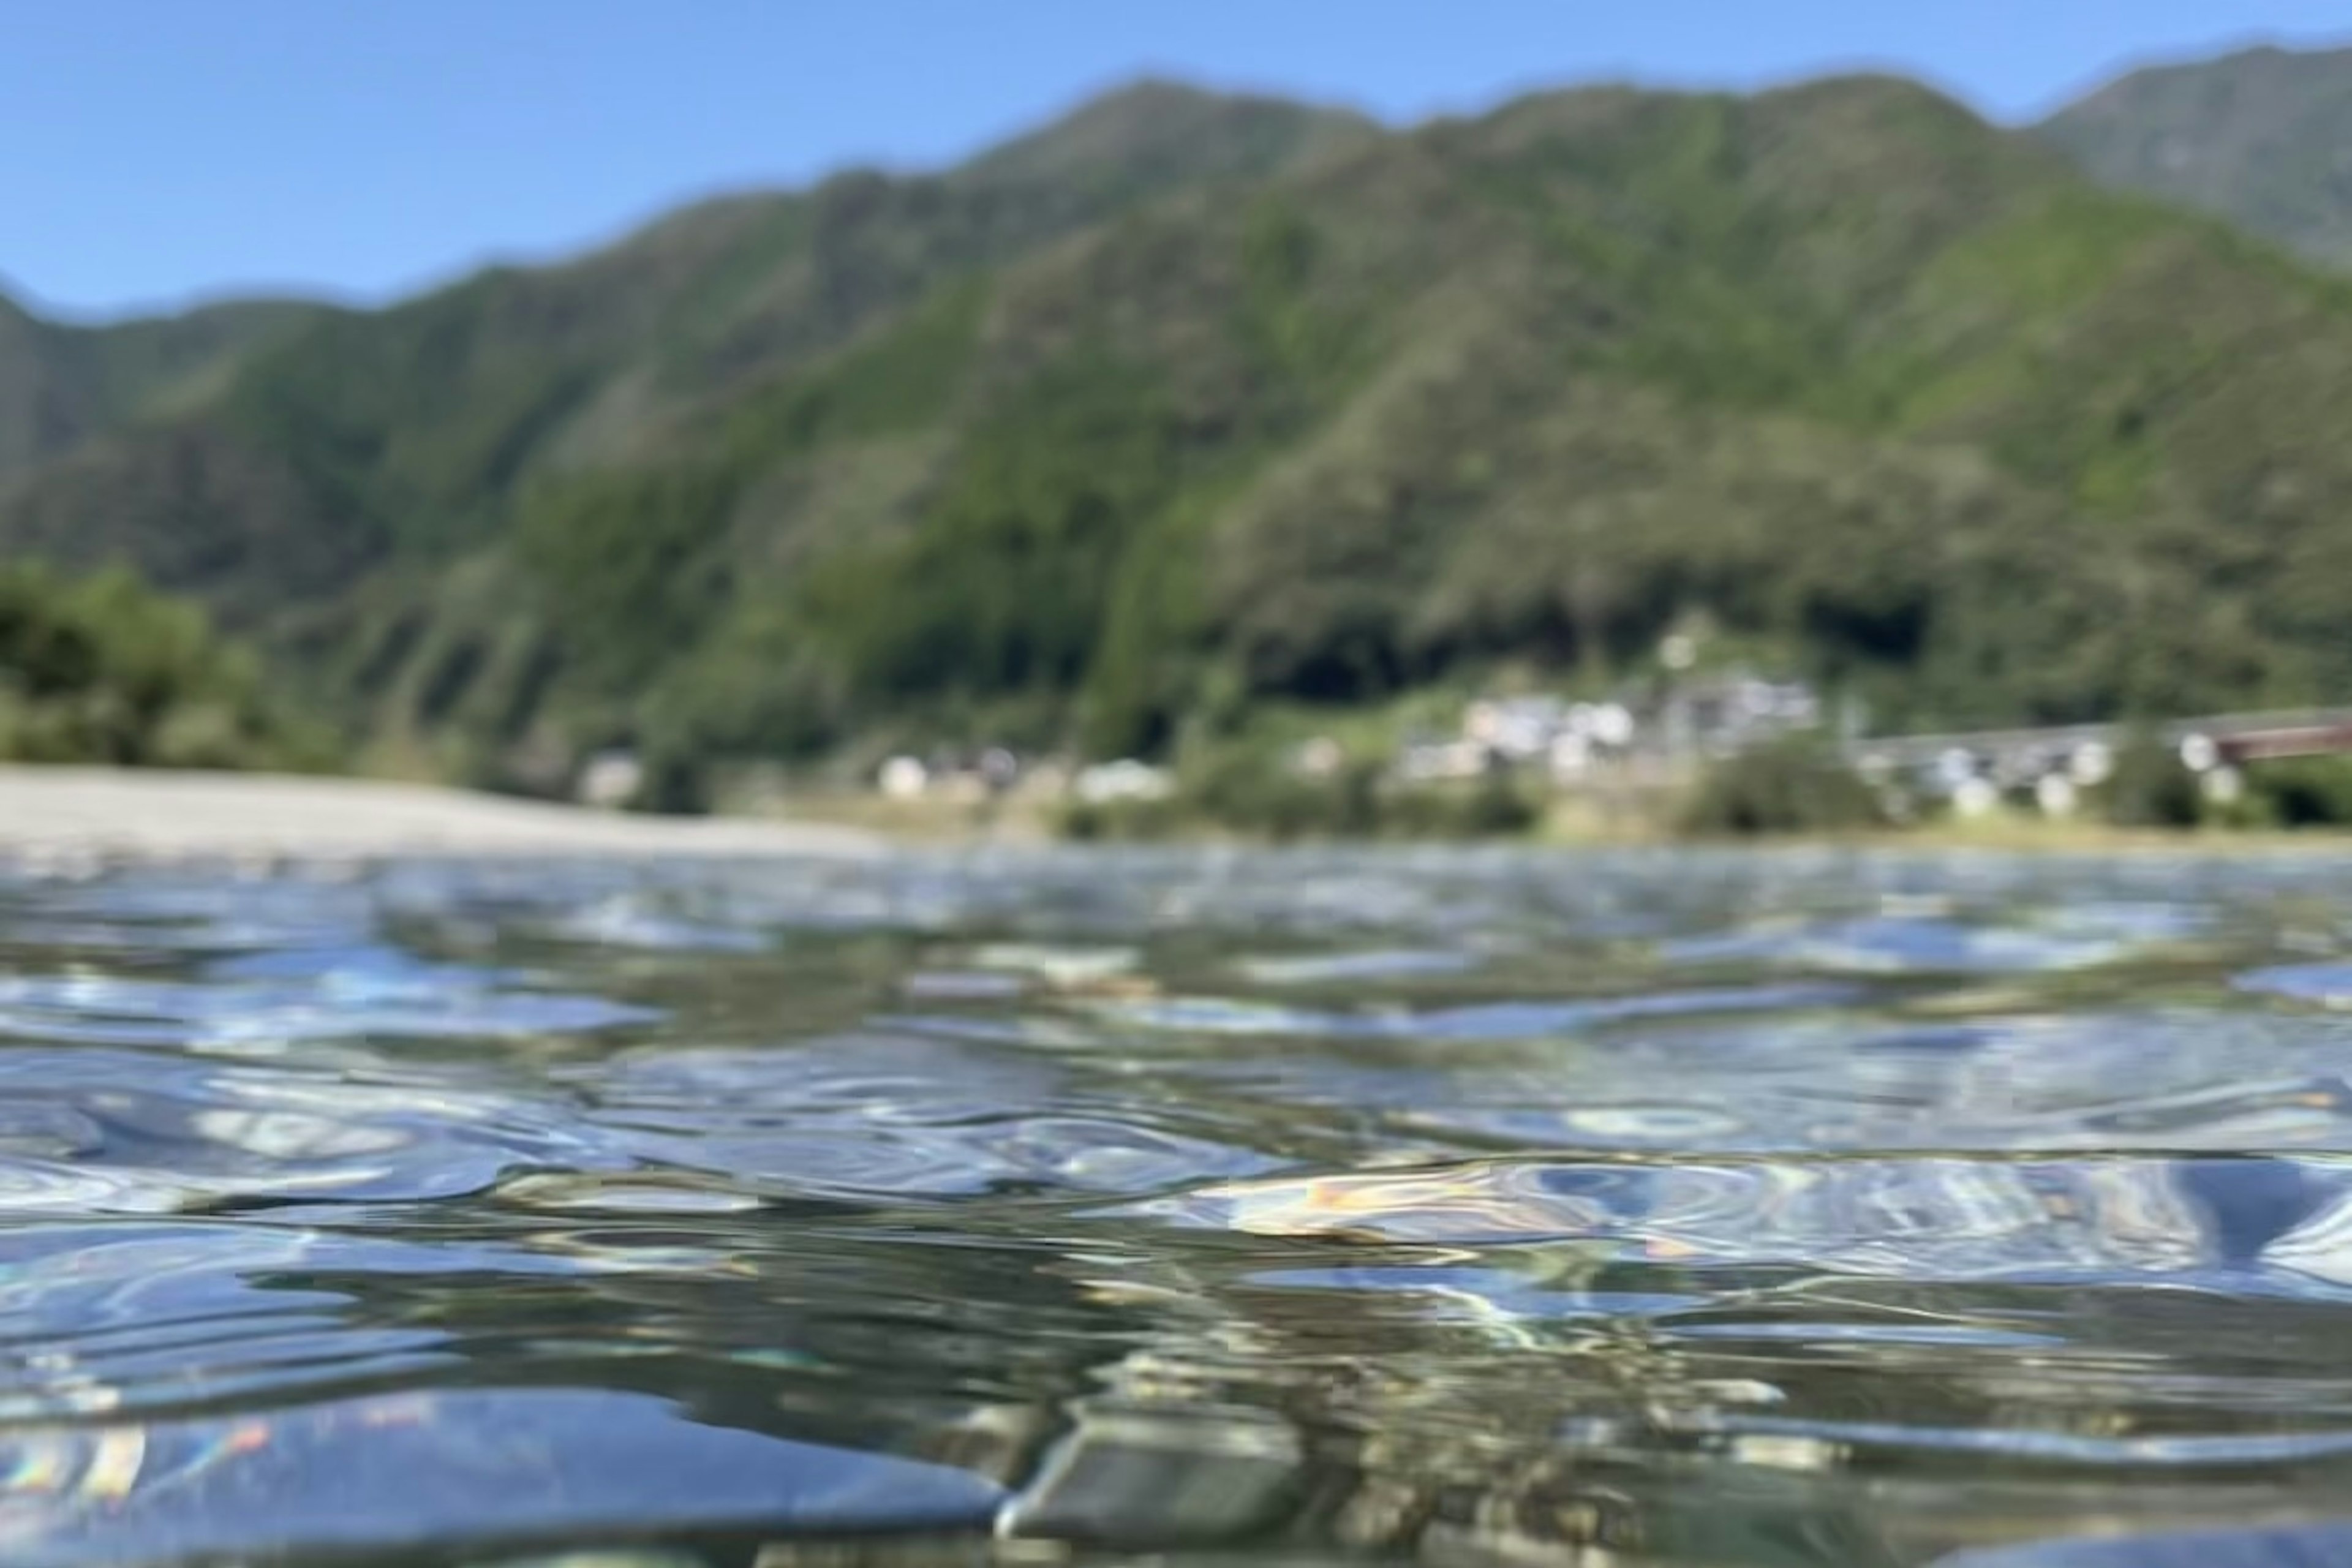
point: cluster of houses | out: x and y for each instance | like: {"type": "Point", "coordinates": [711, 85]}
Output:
{"type": "Point", "coordinates": [1654, 734]}
{"type": "Point", "coordinates": [1568, 741]}
{"type": "Point", "coordinates": [1977, 782]}
{"type": "Point", "coordinates": [985, 774]}
{"type": "Point", "coordinates": [1562, 741]}
{"type": "Point", "coordinates": [995, 772]}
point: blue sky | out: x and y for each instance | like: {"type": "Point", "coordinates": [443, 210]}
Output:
{"type": "Point", "coordinates": [159, 151]}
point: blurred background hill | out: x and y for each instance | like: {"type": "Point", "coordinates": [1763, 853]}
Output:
{"type": "Point", "coordinates": [1188, 402]}
{"type": "Point", "coordinates": [2262, 137]}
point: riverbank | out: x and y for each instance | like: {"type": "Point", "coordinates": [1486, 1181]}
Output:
{"type": "Point", "coordinates": [1576, 824]}
{"type": "Point", "coordinates": [170, 812]}
{"type": "Point", "coordinates": [161, 812]}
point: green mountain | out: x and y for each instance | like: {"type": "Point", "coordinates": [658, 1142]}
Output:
{"type": "Point", "coordinates": [61, 385]}
{"type": "Point", "coordinates": [1188, 402]}
{"type": "Point", "coordinates": [2263, 138]}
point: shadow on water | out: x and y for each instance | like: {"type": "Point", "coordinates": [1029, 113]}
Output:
{"type": "Point", "coordinates": [1673, 1208]}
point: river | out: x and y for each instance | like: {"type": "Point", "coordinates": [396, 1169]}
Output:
{"type": "Point", "coordinates": [1671, 1207]}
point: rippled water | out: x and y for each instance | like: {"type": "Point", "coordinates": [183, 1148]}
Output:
{"type": "Point", "coordinates": [1464, 1207]}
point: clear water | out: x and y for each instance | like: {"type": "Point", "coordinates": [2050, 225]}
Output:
{"type": "Point", "coordinates": [1786, 1208]}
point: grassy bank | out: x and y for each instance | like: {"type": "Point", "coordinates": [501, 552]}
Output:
{"type": "Point", "coordinates": [1796, 793]}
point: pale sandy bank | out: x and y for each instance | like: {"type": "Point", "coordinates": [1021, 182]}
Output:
{"type": "Point", "coordinates": [157, 812]}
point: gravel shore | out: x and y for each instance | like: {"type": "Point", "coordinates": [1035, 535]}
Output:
{"type": "Point", "coordinates": [160, 812]}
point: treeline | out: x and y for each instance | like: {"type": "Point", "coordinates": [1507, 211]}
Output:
{"type": "Point", "coordinates": [1798, 786]}
{"type": "Point", "coordinates": [100, 668]}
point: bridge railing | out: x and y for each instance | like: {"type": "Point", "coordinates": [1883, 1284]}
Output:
{"type": "Point", "coordinates": [2251, 735]}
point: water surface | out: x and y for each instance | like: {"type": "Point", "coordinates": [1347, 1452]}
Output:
{"type": "Point", "coordinates": [1786, 1208]}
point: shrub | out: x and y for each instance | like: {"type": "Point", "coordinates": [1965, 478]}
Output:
{"type": "Point", "coordinates": [105, 669]}
{"type": "Point", "coordinates": [677, 782]}
{"type": "Point", "coordinates": [1795, 785]}
{"type": "Point", "coordinates": [1495, 806]}
{"type": "Point", "coordinates": [2149, 787]}
{"type": "Point", "coordinates": [2302, 792]}
{"type": "Point", "coordinates": [1092, 821]}
{"type": "Point", "coordinates": [1254, 791]}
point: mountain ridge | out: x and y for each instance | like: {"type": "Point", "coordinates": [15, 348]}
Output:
{"type": "Point", "coordinates": [61, 383]}
{"type": "Point", "coordinates": [1187, 403]}
{"type": "Point", "coordinates": [2261, 136]}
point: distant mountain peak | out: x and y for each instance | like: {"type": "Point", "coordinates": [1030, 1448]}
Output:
{"type": "Point", "coordinates": [2262, 136]}
{"type": "Point", "coordinates": [1154, 123]}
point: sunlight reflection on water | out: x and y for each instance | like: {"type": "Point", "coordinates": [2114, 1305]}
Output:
{"type": "Point", "coordinates": [1777, 1208]}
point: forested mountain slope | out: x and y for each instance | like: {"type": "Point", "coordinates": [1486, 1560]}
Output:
{"type": "Point", "coordinates": [1190, 401]}
{"type": "Point", "coordinates": [2262, 137]}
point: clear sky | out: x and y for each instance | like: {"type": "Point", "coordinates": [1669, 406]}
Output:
{"type": "Point", "coordinates": [158, 150]}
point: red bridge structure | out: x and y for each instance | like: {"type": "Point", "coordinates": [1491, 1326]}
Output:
{"type": "Point", "coordinates": [2084, 753]}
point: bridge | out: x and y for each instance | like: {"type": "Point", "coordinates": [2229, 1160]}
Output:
{"type": "Point", "coordinates": [2022, 755]}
